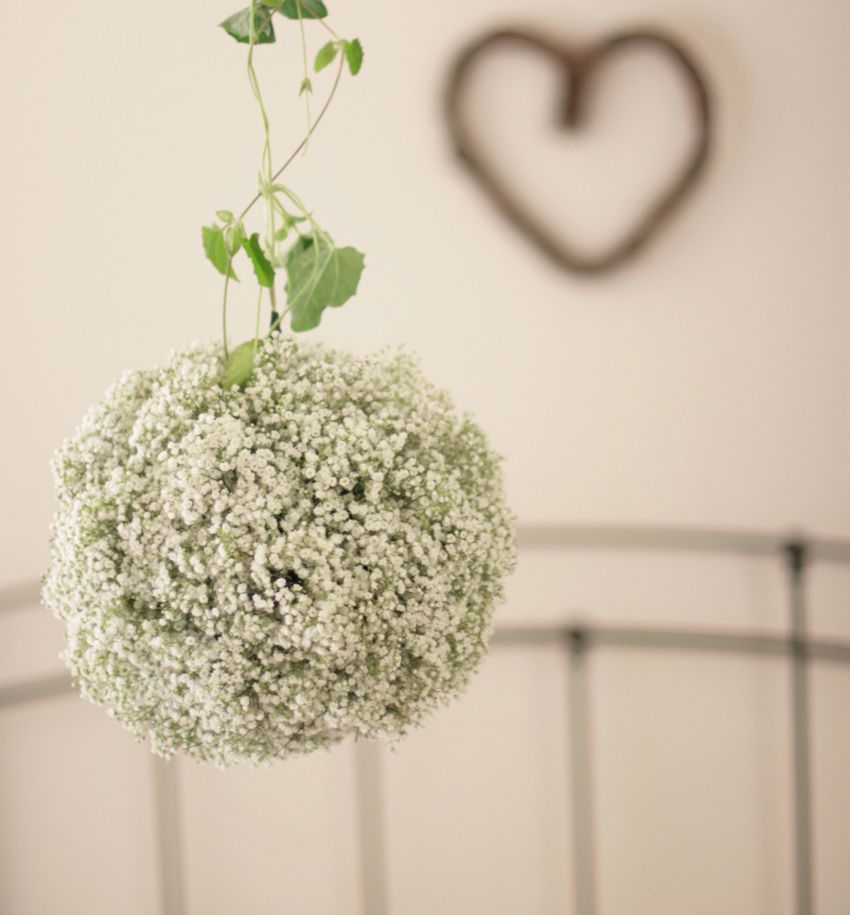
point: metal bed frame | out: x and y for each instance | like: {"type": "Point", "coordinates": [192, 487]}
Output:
{"type": "Point", "coordinates": [796, 551]}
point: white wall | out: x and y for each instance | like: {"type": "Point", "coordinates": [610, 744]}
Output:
{"type": "Point", "coordinates": [705, 385]}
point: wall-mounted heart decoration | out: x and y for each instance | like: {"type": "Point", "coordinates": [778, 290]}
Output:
{"type": "Point", "coordinates": [578, 68]}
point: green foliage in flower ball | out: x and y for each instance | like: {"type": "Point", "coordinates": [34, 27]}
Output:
{"type": "Point", "coordinates": [253, 570]}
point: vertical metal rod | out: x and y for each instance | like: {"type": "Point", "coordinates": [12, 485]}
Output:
{"type": "Point", "coordinates": [581, 787]}
{"type": "Point", "coordinates": [796, 553]}
{"type": "Point", "coordinates": [168, 836]}
{"type": "Point", "coordinates": [370, 814]}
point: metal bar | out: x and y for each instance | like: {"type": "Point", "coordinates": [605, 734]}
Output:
{"type": "Point", "coordinates": [33, 690]}
{"type": "Point", "coordinates": [370, 814]}
{"type": "Point", "coordinates": [168, 835]}
{"type": "Point", "coordinates": [796, 558]}
{"type": "Point", "coordinates": [837, 652]}
{"type": "Point", "coordinates": [530, 636]}
{"type": "Point", "coordinates": [580, 775]}
{"type": "Point", "coordinates": [728, 642]}
{"type": "Point", "coordinates": [754, 543]}
{"type": "Point", "coordinates": [746, 643]}
{"type": "Point", "coordinates": [684, 640]}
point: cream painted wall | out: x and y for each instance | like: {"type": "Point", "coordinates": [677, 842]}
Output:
{"type": "Point", "coordinates": [706, 385]}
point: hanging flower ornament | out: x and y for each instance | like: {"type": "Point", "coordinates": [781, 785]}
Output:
{"type": "Point", "coordinates": [261, 550]}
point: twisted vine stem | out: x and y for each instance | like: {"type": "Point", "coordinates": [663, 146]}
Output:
{"type": "Point", "coordinates": [318, 273]}
{"type": "Point", "coordinates": [274, 177]}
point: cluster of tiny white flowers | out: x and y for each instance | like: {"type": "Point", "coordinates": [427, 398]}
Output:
{"type": "Point", "coordinates": [251, 573]}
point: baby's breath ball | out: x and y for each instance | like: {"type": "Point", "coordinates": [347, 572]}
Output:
{"type": "Point", "coordinates": [252, 573]}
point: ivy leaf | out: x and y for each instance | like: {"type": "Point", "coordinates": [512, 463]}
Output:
{"type": "Point", "coordinates": [262, 266]}
{"type": "Point", "coordinates": [325, 56]}
{"type": "Point", "coordinates": [240, 364]}
{"type": "Point", "coordinates": [319, 275]}
{"type": "Point", "coordinates": [310, 9]}
{"type": "Point", "coordinates": [238, 25]}
{"type": "Point", "coordinates": [233, 236]}
{"type": "Point", "coordinates": [306, 86]}
{"type": "Point", "coordinates": [354, 55]}
{"type": "Point", "coordinates": [215, 249]}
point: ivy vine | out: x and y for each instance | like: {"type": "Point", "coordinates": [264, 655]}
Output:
{"type": "Point", "coordinates": [318, 274]}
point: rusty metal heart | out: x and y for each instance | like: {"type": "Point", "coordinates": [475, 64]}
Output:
{"type": "Point", "coordinates": [578, 68]}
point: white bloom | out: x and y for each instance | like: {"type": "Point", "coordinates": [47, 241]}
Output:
{"type": "Point", "coordinates": [248, 574]}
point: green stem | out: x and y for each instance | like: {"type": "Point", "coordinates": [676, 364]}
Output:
{"type": "Point", "coordinates": [308, 93]}
{"type": "Point", "coordinates": [266, 162]}
{"type": "Point", "coordinates": [257, 327]}
{"type": "Point", "coordinates": [272, 177]}
{"type": "Point", "coordinates": [224, 310]}
{"type": "Point", "coordinates": [303, 143]}
{"type": "Point", "coordinates": [327, 28]}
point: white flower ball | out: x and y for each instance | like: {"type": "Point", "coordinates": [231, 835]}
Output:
{"type": "Point", "coordinates": [252, 573]}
